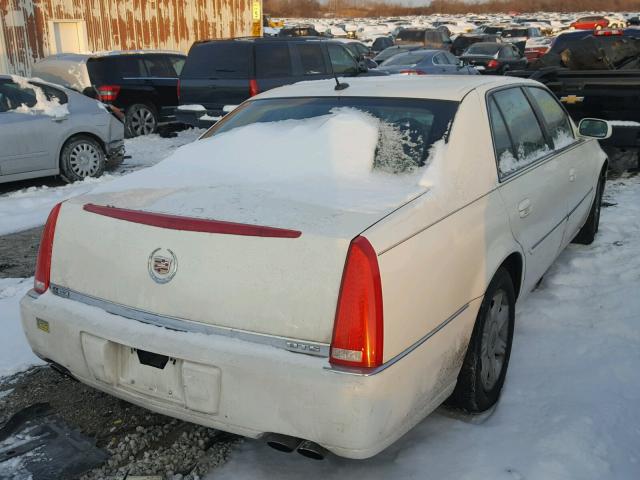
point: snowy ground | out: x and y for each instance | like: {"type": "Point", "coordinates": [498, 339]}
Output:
{"type": "Point", "coordinates": [28, 207]}
{"type": "Point", "coordinates": [569, 407]}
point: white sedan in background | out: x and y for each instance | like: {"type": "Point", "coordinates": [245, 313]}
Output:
{"type": "Point", "coordinates": [326, 265]}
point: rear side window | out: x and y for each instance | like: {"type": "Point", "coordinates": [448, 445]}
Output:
{"type": "Point", "coordinates": [218, 60]}
{"type": "Point", "coordinates": [131, 67]}
{"type": "Point", "coordinates": [158, 67]}
{"type": "Point", "coordinates": [501, 140]}
{"type": "Point", "coordinates": [554, 116]}
{"type": "Point", "coordinates": [312, 59]}
{"type": "Point", "coordinates": [177, 64]}
{"type": "Point", "coordinates": [273, 60]}
{"type": "Point", "coordinates": [528, 142]}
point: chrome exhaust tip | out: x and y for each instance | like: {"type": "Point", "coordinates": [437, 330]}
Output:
{"type": "Point", "coordinates": [282, 443]}
{"type": "Point", "coordinates": [312, 450]}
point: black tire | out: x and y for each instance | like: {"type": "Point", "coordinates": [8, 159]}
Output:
{"type": "Point", "coordinates": [476, 391]}
{"type": "Point", "coordinates": [81, 157]}
{"type": "Point", "coordinates": [587, 233]}
{"type": "Point", "coordinates": [140, 119]}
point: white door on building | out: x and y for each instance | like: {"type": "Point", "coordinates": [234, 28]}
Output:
{"type": "Point", "coordinates": [68, 36]}
{"type": "Point", "coordinates": [4, 61]}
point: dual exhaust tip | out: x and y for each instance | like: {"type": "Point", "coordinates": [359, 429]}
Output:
{"type": "Point", "coordinates": [287, 444]}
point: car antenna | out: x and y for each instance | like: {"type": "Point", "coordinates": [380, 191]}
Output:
{"type": "Point", "coordinates": [339, 86]}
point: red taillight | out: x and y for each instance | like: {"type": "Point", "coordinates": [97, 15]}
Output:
{"type": "Point", "coordinates": [358, 328]}
{"type": "Point", "coordinates": [493, 64]}
{"type": "Point", "coordinates": [178, 89]}
{"type": "Point", "coordinates": [608, 33]}
{"type": "Point", "coordinates": [43, 264]}
{"type": "Point", "coordinates": [413, 72]}
{"type": "Point", "coordinates": [108, 93]}
{"type": "Point", "coordinates": [253, 87]}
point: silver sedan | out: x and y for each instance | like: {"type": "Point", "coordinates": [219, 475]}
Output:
{"type": "Point", "coordinates": [49, 130]}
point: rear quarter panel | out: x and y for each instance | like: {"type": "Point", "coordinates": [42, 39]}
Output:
{"type": "Point", "coordinates": [439, 253]}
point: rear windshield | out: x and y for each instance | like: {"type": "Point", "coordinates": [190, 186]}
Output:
{"type": "Point", "coordinates": [493, 30]}
{"type": "Point", "coordinates": [411, 36]}
{"type": "Point", "coordinates": [390, 52]}
{"type": "Point", "coordinates": [414, 124]}
{"type": "Point", "coordinates": [218, 60]}
{"type": "Point", "coordinates": [483, 49]}
{"type": "Point", "coordinates": [515, 32]}
{"type": "Point", "coordinates": [409, 58]}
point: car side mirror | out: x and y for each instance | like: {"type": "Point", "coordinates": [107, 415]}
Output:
{"type": "Point", "coordinates": [362, 67]}
{"type": "Point", "coordinates": [594, 128]}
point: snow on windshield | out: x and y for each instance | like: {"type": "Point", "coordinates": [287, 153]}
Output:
{"type": "Point", "coordinates": [347, 159]}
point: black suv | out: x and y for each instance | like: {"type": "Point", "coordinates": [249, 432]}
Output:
{"type": "Point", "coordinates": [221, 73]}
{"type": "Point", "coordinates": [143, 84]}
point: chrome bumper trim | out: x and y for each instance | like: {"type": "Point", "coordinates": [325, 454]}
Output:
{"type": "Point", "coordinates": [367, 372]}
{"type": "Point", "coordinates": [188, 326]}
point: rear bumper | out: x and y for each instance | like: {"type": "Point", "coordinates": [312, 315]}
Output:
{"type": "Point", "coordinates": [237, 386]}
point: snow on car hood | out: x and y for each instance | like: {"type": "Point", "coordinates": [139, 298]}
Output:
{"type": "Point", "coordinates": [292, 174]}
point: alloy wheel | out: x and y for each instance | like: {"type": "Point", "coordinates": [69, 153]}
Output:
{"type": "Point", "coordinates": [495, 335]}
{"type": "Point", "coordinates": [84, 160]}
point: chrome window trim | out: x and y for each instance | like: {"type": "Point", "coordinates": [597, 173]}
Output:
{"type": "Point", "coordinates": [188, 326]}
{"type": "Point", "coordinates": [367, 372]}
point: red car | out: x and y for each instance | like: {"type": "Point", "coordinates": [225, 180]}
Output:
{"type": "Point", "coordinates": [590, 23]}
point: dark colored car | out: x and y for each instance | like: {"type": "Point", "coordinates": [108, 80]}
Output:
{"type": "Point", "coordinates": [141, 84]}
{"type": "Point", "coordinates": [426, 62]}
{"type": "Point", "coordinates": [395, 50]}
{"type": "Point", "coordinates": [380, 43]}
{"type": "Point", "coordinates": [221, 73]}
{"type": "Point", "coordinates": [462, 42]}
{"type": "Point", "coordinates": [494, 58]}
{"type": "Point", "coordinates": [431, 38]}
{"type": "Point", "coordinates": [299, 31]}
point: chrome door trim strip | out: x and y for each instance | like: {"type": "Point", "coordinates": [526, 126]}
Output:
{"type": "Point", "coordinates": [564, 219]}
{"type": "Point", "coordinates": [188, 326]}
{"type": "Point", "coordinates": [367, 372]}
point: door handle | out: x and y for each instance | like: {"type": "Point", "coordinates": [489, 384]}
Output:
{"type": "Point", "coordinates": [524, 208]}
{"type": "Point", "coordinates": [572, 175]}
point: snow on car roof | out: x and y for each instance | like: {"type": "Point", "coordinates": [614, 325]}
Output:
{"type": "Point", "coordinates": [443, 87]}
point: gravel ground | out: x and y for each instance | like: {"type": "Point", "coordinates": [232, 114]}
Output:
{"type": "Point", "coordinates": [140, 442]}
{"type": "Point", "coordinates": [18, 253]}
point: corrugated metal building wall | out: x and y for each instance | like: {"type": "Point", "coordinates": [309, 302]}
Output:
{"type": "Point", "coordinates": [33, 29]}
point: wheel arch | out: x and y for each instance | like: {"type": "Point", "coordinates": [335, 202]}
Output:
{"type": "Point", "coordinates": [514, 264]}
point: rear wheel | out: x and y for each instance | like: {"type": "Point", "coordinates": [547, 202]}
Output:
{"type": "Point", "coordinates": [140, 119]}
{"type": "Point", "coordinates": [484, 369]}
{"type": "Point", "coordinates": [81, 157]}
{"type": "Point", "coordinates": [587, 233]}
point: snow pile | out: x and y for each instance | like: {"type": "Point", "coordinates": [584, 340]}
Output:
{"type": "Point", "coordinates": [569, 406]}
{"type": "Point", "coordinates": [15, 353]}
{"type": "Point", "coordinates": [28, 207]}
{"type": "Point", "coordinates": [346, 160]}
{"type": "Point", "coordinates": [44, 106]}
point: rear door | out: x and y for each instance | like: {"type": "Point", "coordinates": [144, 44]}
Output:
{"type": "Point", "coordinates": [532, 180]}
{"type": "Point", "coordinates": [577, 157]}
{"type": "Point", "coordinates": [28, 141]}
{"type": "Point", "coordinates": [163, 78]}
{"type": "Point", "coordinates": [274, 65]}
{"type": "Point", "coordinates": [217, 74]}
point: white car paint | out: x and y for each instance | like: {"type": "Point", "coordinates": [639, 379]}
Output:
{"type": "Point", "coordinates": [239, 368]}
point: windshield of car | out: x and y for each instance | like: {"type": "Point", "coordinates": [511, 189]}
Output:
{"type": "Point", "coordinates": [409, 58]}
{"type": "Point", "coordinates": [483, 49]}
{"type": "Point", "coordinates": [515, 32]}
{"type": "Point", "coordinates": [408, 127]}
{"type": "Point", "coordinates": [493, 30]}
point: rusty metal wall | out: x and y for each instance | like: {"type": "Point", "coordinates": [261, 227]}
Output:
{"type": "Point", "coordinates": [117, 25]}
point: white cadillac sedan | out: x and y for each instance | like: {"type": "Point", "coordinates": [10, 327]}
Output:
{"type": "Point", "coordinates": [325, 266]}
